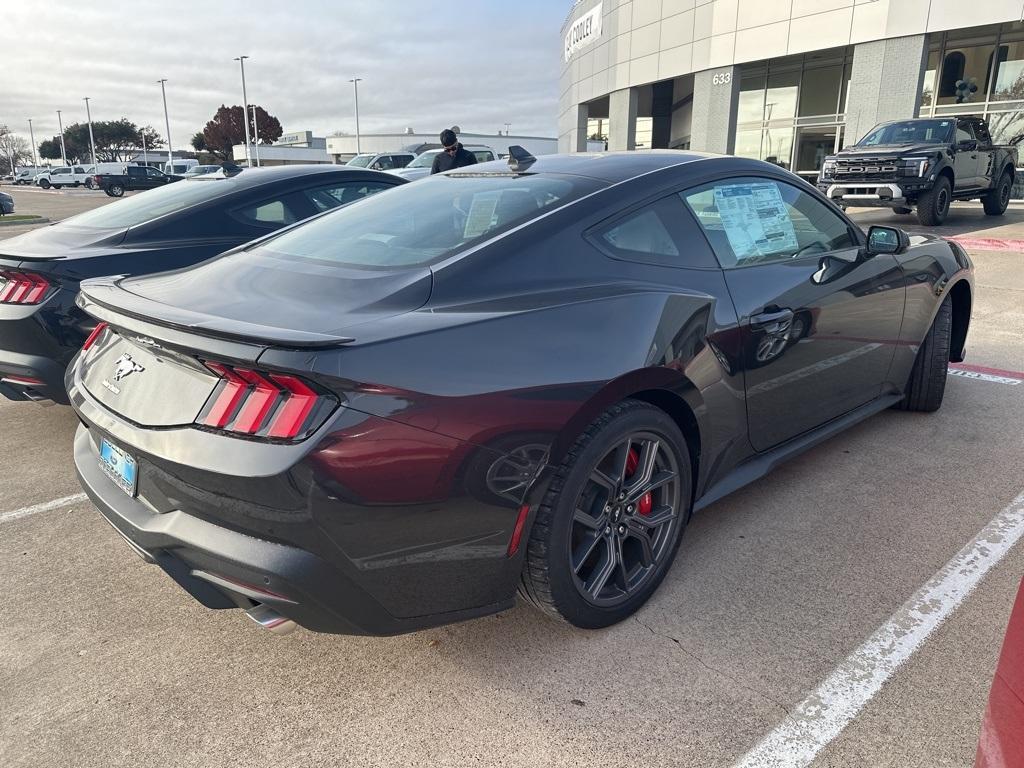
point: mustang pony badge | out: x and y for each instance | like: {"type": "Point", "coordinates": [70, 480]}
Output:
{"type": "Point", "coordinates": [125, 366]}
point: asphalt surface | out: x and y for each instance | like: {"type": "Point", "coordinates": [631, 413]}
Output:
{"type": "Point", "coordinates": [104, 662]}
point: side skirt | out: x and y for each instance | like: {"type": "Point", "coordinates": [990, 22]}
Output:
{"type": "Point", "coordinates": [760, 465]}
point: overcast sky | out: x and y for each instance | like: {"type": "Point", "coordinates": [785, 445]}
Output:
{"type": "Point", "coordinates": [476, 64]}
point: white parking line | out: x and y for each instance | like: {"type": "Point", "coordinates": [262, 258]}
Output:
{"type": "Point", "coordinates": [823, 715]}
{"type": "Point", "coordinates": [46, 506]}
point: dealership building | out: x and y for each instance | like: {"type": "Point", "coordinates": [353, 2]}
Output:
{"type": "Point", "coordinates": [787, 81]}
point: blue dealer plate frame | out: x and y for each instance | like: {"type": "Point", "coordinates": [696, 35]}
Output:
{"type": "Point", "coordinates": [119, 467]}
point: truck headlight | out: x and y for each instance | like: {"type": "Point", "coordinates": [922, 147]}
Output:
{"type": "Point", "coordinates": [828, 168]}
{"type": "Point", "coordinates": [918, 166]}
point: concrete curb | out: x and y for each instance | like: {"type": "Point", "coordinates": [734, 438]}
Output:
{"type": "Point", "coordinates": [23, 222]}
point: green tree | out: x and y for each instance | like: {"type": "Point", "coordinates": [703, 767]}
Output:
{"type": "Point", "coordinates": [227, 128]}
{"type": "Point", "coordinates": [116, 141]}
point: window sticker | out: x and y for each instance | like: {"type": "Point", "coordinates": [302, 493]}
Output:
{"type": "Point", "coordinates": [755, 220]}
{"type": "Point", "coordinates": [481, 214]}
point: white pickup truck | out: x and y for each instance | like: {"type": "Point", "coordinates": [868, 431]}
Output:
{"type": "Point", "coordinates": [64, 176]}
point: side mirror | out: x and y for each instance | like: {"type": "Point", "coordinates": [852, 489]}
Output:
{"type": "Point", "coordinates": [375, 166]}
{"type": "Point", "coordinates": [968, 145]}
{"type": "Point", "coordinates": [887, 240]}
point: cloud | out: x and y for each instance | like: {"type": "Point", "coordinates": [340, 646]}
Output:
{"type": "Point", "coordinates": [425, 65]}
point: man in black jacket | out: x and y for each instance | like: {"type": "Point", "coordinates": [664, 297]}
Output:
{"type": "Point", "coordinates": [454, 155]}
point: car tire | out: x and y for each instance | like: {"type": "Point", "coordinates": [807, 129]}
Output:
{"type": "Point", "coordinates": [594, 570]}
{"type": "Point", "coordinates": [902, 211]}
{"type": "Point", "coordinates": [115, 190]}
{"type": "Point", "coordinates": [997, 199]}
{"type": "Point", "coordinates": [44, 183]}
{"type": "Point", "coordinates": [933, 205]}
{"type": "Point", "coordinates": [927, 382]}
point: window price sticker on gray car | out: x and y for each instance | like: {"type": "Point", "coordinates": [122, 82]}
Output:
{"type": "Point", "coordinates": [755, 219]}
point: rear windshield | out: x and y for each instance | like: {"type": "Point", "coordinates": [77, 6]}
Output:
{"type": "Point", "coordinates": [146, 206]}
{"type": "Point", "coordinates": [416, 224]}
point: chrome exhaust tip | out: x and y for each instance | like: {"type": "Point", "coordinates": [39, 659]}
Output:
{"type": "Point", "coordinates": [271, 620]}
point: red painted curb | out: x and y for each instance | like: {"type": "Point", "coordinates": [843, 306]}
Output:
{"type": "Point", "coordinates": [989, 243]}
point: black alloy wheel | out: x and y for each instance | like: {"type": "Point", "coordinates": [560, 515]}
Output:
{"type": "Point", "coordinates": [610, 524]}
{"type": "Point", "coordinates": [624, 520]}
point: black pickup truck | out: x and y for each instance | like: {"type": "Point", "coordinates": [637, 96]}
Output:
{"type": "Point", "coordinates": [134, 177]}
{"type": "Point", "coordinates": [925, 163]}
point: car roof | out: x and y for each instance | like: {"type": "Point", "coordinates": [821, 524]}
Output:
{"type": "Point", "coordinates": [252, 177]}
{"type": "Point", "coordinates": [606, 166]}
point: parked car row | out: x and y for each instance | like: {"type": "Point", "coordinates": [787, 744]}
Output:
{"type": "Point", "coordinates": [386, 406]}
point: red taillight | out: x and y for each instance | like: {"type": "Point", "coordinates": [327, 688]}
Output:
{"type": "Point", "coordinates": [248, 402]}
{"type": "Point", "coordinates": [96, 333]}
{"type": "Point", "coordinates": [22, 287]}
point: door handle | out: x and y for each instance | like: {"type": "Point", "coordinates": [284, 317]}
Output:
{"type": "Point", "coordinates": [772, 318]}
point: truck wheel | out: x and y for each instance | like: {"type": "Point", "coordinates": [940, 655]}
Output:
{"type": "Point", "coordinates": [115, 190]}
{"type": "Point", "coordinates": [997, 198]}
{"type": "Point", "coordinates": [44, 183]}
{"type": "Point", "coordinates": [902, 211]}
{"type": "Point", "coordinates": [933, 205]}
{"type": "Point", "coordinates": [927, 382]}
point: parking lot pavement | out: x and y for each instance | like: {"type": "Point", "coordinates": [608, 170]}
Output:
{"type": "Point", "coordinates": [965, 220]}
{"type": "Point", "coordinates": [51, 204]}
{"type": "Point", "coordinates": [105, 662]}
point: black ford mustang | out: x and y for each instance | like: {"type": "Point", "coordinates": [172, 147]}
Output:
{"type": "Point", "coordinates": [510, 376]}
{"type": "Point", "coordinates": [179, 225]}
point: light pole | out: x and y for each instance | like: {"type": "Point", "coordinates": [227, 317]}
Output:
{"type": "Point", "coordinates": [245, 107]}
{"type": "Point", "coordinates": [63, 152]}
{"type": "Point", "coordinates": [256, 136]}
{"type": "Point", "coordinates": [92, 143]}
{"type": "Point", "coordinates": [167, 124]}
{"type": "Point", "coordinates": [355, 89]}
{"type": "Point", "coordinates": [32, 135]}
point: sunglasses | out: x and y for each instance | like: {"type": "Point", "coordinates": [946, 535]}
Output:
{"type": "Point", "coordinates": [452, 149]}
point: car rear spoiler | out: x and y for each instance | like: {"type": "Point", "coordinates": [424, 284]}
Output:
{"type": "Point", "coordinates": [106, 300]}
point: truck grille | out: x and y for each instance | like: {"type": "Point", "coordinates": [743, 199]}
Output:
{"type": "Point", "coordinates": [867, 169]}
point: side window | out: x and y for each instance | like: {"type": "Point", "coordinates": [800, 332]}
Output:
{"type": "Point", "coordinates": [79, 169]}
{"type": "Point", "coordinates": [760, 221]}
{"type": "Point", "coordinates": [384, 163]}
{"type": "Point", "coordinates": [402, 160]}
{"type": "Point", "coordinates": [342, 193]}
{"type": "Point", "coordinates": [153, 172]}
{"type": "Point", "coordinates": [268, 213]}
{"type": "Point", "coordinates": [981, 131]}
{"type": "Point", "coordinates": [652, 235]}
{"type": "Point", "coordinates": [963, 132]}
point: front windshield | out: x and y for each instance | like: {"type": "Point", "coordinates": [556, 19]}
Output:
{"type": "Point", "coordinates": [360, 161]}
{"type": "Point", "coordinates": [147, 206]}
{"type": "Point", "coordinates": [420, 223]}
{"type": "Point", "coordinates": [425, 160]}
{"type": "Point", "coordinates": [909, 132]}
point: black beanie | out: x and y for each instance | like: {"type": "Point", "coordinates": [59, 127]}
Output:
{"type": "Point", "coordinates": [448, 137]}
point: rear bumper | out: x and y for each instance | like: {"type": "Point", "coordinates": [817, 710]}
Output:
{"type": "Point", "coordinates": [223, 568]}
{"type": "Point", "coordinates": [38, 341]}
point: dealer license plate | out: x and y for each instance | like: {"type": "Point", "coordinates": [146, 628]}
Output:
{"type": "Point", "coordinates": [120, 467]}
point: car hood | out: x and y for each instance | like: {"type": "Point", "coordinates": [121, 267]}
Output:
{"type": "Point", "coordinates": [265, 301]}
{"type": "Point", "coordinates": [891, 149]}
{"type": "Point", "coordinates": [60, 242]}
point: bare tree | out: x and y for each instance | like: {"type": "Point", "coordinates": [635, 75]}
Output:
{"type": "Point", "coordinates": [14, 150]}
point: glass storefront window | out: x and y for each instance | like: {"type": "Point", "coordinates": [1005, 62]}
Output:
{"type": "Point", "coordinates": [780, 98]}
{"type": "Point", "coordinates": [751, 103]}
{"type": "Point", "coordinates": [1005, 125]}
{"type": "Point", "coordinates": [748, 143]}
{"type": "Point", "coordinates": [777, 146]}
{"type": "Point", "coordinates": [965, 74]}
{"type": "Point", "coordinates": [928, 87]}
{"type": "Point", "coordinates": [812, 146]}
{"type": "Point", "coordinates": [1009, 85]}
{"type": "Point", "coordinates": [644, 132]}
{"type": "Point", "coordinates": [819, 91]}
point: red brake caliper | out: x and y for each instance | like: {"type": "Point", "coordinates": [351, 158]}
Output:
{"type": "Point", "coordinates": [646, 502]}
